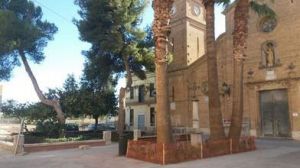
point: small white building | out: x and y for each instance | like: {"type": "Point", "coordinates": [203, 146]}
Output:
{"type": "Point", "coordinates": [140, 104]}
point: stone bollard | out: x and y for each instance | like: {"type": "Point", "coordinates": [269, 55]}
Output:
{"type": "Point", "coordinates": [196, 139]}
{"type": "Point", "coordinates": [19, 148]}
{"type": "Point", "coordinates": [107, 137]}
{"type": "Point", "coordinates": [136, 134]}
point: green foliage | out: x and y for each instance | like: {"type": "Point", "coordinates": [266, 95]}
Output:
{"type": "Point", "coordinates": [111, 26]}
{"type": "Point", "coordinates": [37, 113]}
{"type": "Point", "coordinates": [11, 109]}
{"type": "Point", "coordinates": [69, 98]}
{"type": "Point", "coordinates": [31, 112]}
{"type": "Point", "coordinates": [21, 29]}
{"type": "Point", "coordinates": [91, 97]}
{"type": "Point", "coordinates": [262, 9]}
{"type": "Point", "coordinates": [35, 137]}
{"type": "Point", "coordinates": [48, 127]}
{"type": "Point", "coordinates": [97, 100]}
{"type": "Point", "coordinates": [146, 51]}
{"type": "Point", "coordinates": [9, 62]}
{"type": "Point", "coordinates": [224, 3]}
{"type": "Point", "coordinates": [65, 139]}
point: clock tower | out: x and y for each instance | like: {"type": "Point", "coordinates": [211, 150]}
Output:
{"type": "Point", "coordinates": [187, 33]}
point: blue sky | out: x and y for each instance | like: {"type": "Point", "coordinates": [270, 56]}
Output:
{"type": "Point", "coordinates": [63, 54]}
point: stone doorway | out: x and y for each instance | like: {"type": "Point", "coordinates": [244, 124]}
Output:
{"type": "Point", "coordinates": [274, 113]}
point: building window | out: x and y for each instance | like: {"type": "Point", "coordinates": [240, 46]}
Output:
{"type": "Point", "coordinates": [152, 90]}
{"type": "Point", "coordinates": [152, 116]}
{"type": "Point", "coordinates": [267, 24]}
{"type": "Point", "coordinates": [131, 93]}
{"type": "Point", "coordinates": [198, 49]}
{"type": "Point", "coordinates": [131, 119]}
{"type": "Point", "coordinates": [141, 93]}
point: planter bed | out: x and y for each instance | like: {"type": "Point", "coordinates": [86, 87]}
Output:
{"type": "Point", "coordinates": [182, 150]}
{"type": "Point", "coordinates": [61, 145]}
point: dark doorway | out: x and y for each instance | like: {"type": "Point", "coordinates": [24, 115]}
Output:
{"type": "Point", "coordinates": [274, 111]}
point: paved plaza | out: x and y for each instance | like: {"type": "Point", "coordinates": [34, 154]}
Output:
{"type": "Point", "coordinates": [270, 154]}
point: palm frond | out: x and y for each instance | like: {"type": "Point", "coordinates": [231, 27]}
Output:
{"type": "Point", "coordinates": [224, 3]}
{"type": "Point", "coordinates": [262, 9]}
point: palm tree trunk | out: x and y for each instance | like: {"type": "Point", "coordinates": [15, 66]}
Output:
{"type": "Point", "coordinates": [161, 29]}
{"type": "Point", "coordinates": [215, 115]}
{"type": "Point", "coordinates": [240, 33]}
{"type": "Point", "coordinates": [52, 103]}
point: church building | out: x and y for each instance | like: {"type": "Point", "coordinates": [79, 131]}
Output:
{"type": "Point", "coordinates": [271, 70]}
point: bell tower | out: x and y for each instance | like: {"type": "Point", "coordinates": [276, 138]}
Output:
{"type": "Point", "coordinates": [187, 33]}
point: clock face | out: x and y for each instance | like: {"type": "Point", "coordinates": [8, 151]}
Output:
{"type": "Point", "coordinates": [173, 10]}
{"type": "Point", "coordinates": [196, 9]}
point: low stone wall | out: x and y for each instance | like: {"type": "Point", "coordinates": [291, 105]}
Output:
{"type": "Point", "coordinates": [149, 150]}
{"type": "Point", "coordinates": [145, 150]}
{"type": "Point", "coordinates": [67, 145]}
{"type": "Point", "coordinates": [296, 135]}
{"type": "Point", "coordinates": [7, 146]}
{"type": "Point", "coordinates": [61, 145]}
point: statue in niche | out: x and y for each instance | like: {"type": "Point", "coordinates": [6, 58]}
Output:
{"type": "Point", "coordinates": [269, 55]}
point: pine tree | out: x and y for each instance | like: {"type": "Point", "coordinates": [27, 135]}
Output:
{"type": "Point", "coordinates": [23, 36]}
{"type": "Point", "coordinates": [118, 44]}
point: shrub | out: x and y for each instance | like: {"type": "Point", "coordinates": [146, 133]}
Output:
{"type": "Point", "coordinates": [48, 127]}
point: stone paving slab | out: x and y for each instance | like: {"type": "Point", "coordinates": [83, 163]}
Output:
{"type": "Point", "coordinates": [271, 154]}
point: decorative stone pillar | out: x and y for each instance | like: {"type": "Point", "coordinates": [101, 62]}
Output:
{"type": "Point", "coordinates": [196, 139]}
{"type": "Point", "coordinates": [107, 137]}
{"type": "Point", "coordinates": [136, 134]}
{"type": "Point", "coordinates": [19, 147]}
{"type": "Point", "coordinates": [296, 135]}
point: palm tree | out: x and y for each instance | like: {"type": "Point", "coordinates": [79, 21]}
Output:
{"type": "Point", "coordinates": [161, 30]}
{"type": "Point", "coordinates": [239, 46]}
{"type": "Point", "coordinates": [215, 115]}
{"type": "Point", "coordinates": [240, 34]}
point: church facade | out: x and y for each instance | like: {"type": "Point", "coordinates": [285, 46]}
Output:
{"type": "Point", "coordinates": [271, 71]}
